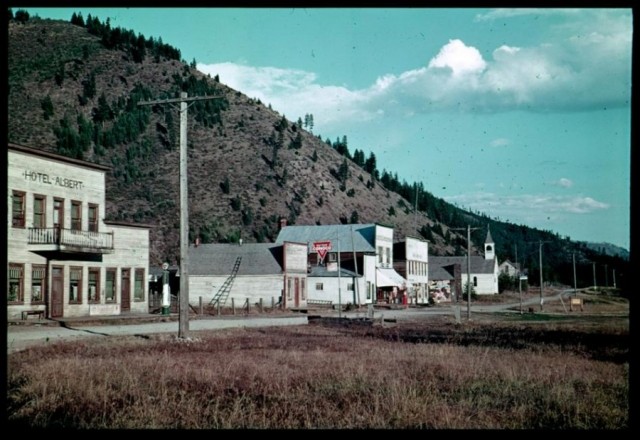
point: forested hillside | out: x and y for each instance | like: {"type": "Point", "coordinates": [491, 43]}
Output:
{"type": "Point", "coordinates": [74, 89]}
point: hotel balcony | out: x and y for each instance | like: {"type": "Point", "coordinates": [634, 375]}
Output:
{"type": "Point", "coordinates": [70, 240]}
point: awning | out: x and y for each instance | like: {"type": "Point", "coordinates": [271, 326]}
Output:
{"type": "Point", "coordinates": [389, 277]}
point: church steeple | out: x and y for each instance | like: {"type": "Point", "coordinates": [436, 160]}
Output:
{"type": "Point", "coordinates": [489, 246]}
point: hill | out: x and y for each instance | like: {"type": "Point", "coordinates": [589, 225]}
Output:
{"type": "Point", "coordinates": [74, 89]}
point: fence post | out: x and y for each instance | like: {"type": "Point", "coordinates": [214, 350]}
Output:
{"type": "Point", "coordinates": [261, 310]}
{"type": "Point", "coordinates": [201, 307]}
{"type": "Point", "coordinates": [273, 303]}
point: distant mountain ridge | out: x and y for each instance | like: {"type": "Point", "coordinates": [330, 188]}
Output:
{"type": "Point", "coordinates": [74, 89]}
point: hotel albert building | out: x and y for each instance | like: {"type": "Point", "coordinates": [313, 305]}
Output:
{"type": "Point", "coordinates": [63, 258]}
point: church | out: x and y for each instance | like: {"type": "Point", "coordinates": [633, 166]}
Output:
{"type": "Point", "coordinates": [448, 275]}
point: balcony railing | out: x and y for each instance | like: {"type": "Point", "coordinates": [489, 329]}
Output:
{"type": "Point", "coordinates": [71, 239]}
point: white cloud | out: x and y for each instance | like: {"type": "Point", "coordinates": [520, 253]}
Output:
{"type": "Point", "coordinates": [582, 70]}
{"type": "Point", "coordinates": [500, 142]}
{"type": "Point", "coordinates": [564, 182]}
{"type": "Point", "coordinates": [527, 206]}
{"type": "Point", "coordinates": [459, 58]}
{"type": "Point", "coordinates": [499, 13]}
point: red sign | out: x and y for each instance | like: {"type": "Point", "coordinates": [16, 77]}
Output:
{"type": "Point", "coordinates": [322, 247]}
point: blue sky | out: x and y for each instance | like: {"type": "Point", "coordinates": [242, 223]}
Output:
{"type": "Point", "coordinates": [521, 114]}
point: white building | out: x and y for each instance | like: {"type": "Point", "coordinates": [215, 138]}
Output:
{"type": "Point", "coordinates": [64, 259]}
{"type": "Point", "coordinates": [233, 273]}
{"type": "Point", "coordinates": [357, 267]}
{"type": "Point", "coordinates": [448, 275]}
{"type": "Point", "coordinates": [411, 260]}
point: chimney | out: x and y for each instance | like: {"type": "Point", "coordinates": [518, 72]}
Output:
{"type": "Point", "coordinates": [283, 223]}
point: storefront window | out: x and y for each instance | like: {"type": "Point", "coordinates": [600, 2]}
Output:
{"type": "Point", "coordinates": [16, 283]}
{"type": "Point", "coordinates": [37, 283]}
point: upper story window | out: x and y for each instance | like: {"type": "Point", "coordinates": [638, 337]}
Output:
{"type": "Point", "coordinates": [380, 254]}
{"type": "Point", "coordinates": [58, 213]}
{"type": "Point", "coordinates": [17, 209]}
{"type": "Point", "coordinates": [93, 217]}
{"type": "Point", "coordinates": [39, 211]}
{"type": "Point", "coordinates": [76, 215]}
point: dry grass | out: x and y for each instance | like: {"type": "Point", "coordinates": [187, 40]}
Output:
{"type": "Point", "coordinates": [488, 374]}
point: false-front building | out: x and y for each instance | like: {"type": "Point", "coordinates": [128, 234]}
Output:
{"type": "Point", "coordinates": [64, 259]}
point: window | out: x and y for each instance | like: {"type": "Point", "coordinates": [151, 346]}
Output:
{"type": "Point", "coordinates": [319, 286]}
{"type": "Point", "coordinates": [75, 285]}
{"type": "Point", "coordinates": [94, 285]}
{"type": "Point", "coordinates": [58, 213]}
{"type": "Point", "coordinates": [39, 217]}
{"type": "Point", "coordinates": [93, 217]}
{"type": "Point", "coordinates": [350, 287]}
{"type": "Point", "coordinates": [475, 281]}
{"type": "Point", "coordinates": [17, 210]}
{"type": "Point", "coordinates": [76, 215]}
{"type": "Point", "coordinates": [303, 288]}
{"type": "Point", "coordinates": [380, 254]}
{"type": "Point", "coordinates": [16, 283]}
{"type": "Point", "coordinates": [388, 261]}
{"type": "Point", "coordinates": [369, 289]}
{"type": "Point", "coordinates": [37, 283]}
{"type": "Point", "coordinates": [332, 257]}
{"type": "Point", "coordinates": [110, 286]}
{"type": "Point", "coordinates": [138, 293]}
{"type": "Point", "coordinates": [288, 288]}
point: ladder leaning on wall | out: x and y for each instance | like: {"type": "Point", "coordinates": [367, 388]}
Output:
{"type": "Point", "coordinates": [223, 293]}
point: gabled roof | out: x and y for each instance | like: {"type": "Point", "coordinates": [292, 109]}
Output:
{"type": "Point", "coordinates": [478, 264]}
{"type": "Point", "coordinates": [339, 235]}
{"type": "Point", "coordinates": [516, 265]}
{"type": "Point", "coordinates": [218, 259]}
{"type": "Point", "coordinates": [438, 273]}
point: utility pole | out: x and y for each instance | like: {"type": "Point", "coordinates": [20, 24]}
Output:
{"type": "Point", "coordinates": [518, 273]}
{"type": "Point", "coordinates": [339, 282]}
{"type": "Point", "coordinates": [415, 211]}
{"type": "Point", "coordinates": [183, 328]}
{"type": "Point", "coordinates": [606, 276]}
{"type": "Point", "coordinates": [540, 263]}
{"type": "Point", "coordinates": [575, 283]}
{"type": "Point", "coordinates": [469, 229]}
{"type": "Point", "coordinates": [595, 286]}
{"type": "Point", "coordinates": [614, 278]}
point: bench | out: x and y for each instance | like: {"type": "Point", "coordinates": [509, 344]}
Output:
{"type": "Point", "coordinates": [26, 313]}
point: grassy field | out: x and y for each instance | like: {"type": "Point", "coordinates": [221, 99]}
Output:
{"type": "Point", "coordinates": [497, 371]}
